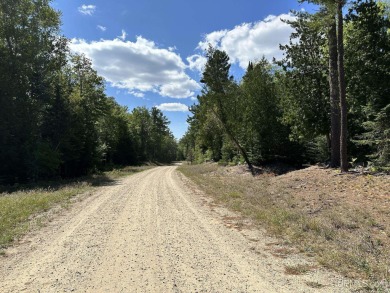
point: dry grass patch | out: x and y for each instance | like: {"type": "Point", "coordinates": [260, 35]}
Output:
{"type": "Point", "coordinates": [341, 220]}
{"type": "Point", "coordinates": [300, 269]}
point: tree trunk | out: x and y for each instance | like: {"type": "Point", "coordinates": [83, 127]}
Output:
{"type": "Point", "coordinates": [334, 97]}
{"type": "Point", "coordinates": [342, 89]}
{"type": "Point", "coordinates": [242, 151]}
{"type": "Point", "coordinates": [235, 141]}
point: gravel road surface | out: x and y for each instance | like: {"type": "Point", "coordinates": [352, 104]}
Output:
{"type": "Point", "coordinates": [150, 232]}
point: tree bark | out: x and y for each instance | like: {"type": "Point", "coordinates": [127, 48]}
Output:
{"type": "Point", "coordinates": [334, 96]}
{"type": "Point", "coordinates": [342, 89]}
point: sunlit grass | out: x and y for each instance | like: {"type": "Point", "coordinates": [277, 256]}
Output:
{"type": "Point", "coordinates": [21, 204]}
{"type": "Point", "coordinates": [16, 209]}
{"type": "Point", "coordinates": [341, 237]}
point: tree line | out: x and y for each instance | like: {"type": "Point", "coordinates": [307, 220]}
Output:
{"type": "Point", "coordinates": [327, 100]}
{"type": "Point", "coordinates": [55, 118]}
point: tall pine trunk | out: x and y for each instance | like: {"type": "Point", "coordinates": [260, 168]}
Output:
{"type": "Point", "coordinates": [342, 90]}
{"type": "Point", "coordinates": [334, 96]}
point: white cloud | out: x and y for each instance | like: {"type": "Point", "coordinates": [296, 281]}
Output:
{"type": "Point", "coordinates": [249, 41]}
{"type": "Point", "coordinates": [173, 107]}
{"type": "Point", "coordinates": [182, 87]}
{"type": "Point", "coordinates": [123, 36]}
{"type": "Point", "coordinates": [137, 94]}
{"type": "Point", "coordinates": [196, 62]}
{"type": "Point", "coordinates": [139, 66]}
{"type": "Point", "coordinates": [87, 9]}
{"type": "Point", "coordinates": [102, 28]}
{"type": "Point", "coordinates": [213, 38]}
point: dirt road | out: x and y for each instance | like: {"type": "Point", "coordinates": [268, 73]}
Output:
{"type": "Point", "coordinates": [150, 232]}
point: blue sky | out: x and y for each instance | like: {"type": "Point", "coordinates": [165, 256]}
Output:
{"type": "Point", "coordinates": [151, 52]}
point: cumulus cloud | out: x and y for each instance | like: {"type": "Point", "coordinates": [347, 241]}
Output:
{"type": "Point", "coordinates": [139, 66]}
{"type": "Point", "coordinates": [102, 28]}
{"type": "Point", "coordinates": [87, 9]}
{"type": "Point", "coordinates": [248, 41]}
{"type": "Point", "coordinates": [173, 107]}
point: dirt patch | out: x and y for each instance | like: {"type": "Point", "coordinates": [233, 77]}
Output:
{"type": "Point", "coordinates": [341, 220]}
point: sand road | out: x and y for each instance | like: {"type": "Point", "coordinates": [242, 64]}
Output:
{"type": "Point", "coordinates": [149, 232]}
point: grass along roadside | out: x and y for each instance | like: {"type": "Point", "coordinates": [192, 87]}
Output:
{"type": "Point", "coordinates": [340, 220]}
{"type": "Point", "coordinates": [22, 207]}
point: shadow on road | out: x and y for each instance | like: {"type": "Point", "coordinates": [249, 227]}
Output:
{"type": "Point", "coordinates": [93, 180]}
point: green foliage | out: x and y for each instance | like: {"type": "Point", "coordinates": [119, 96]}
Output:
{"type": "Point", "coordinates": [228, 151]}
{"type": "Point", "coordinates": [378, 137]}
{"type": "Point", "coordinates": [153, 139]}
{"type": "Point", "coordinates": [55, 118]}
{"type": "Point", "coordinates": [317, 150]}
{"type": "Point", "coordinates": [263, 134]}
{"type": "Point", "coordinates": [238, 122]}
{"type": "Point", "coordinates": [221, 96]}
{"type": "Point", "coordinates": [304, 84]}
{"type": "Point", "coordinates": [46, 161]}
{"type": "Point", "coordinates": [28, 44]}
{"type": "Point", "coordinates": [212, 117]}
{"type": "Point", "coordinates": [286, 114]}
{"type": "Point", "coordinates": [368, 78]}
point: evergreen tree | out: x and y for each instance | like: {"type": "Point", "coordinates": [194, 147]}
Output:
{"type": "Point", "coordinates": [368, 79]}
{"type": "Point", "coordinates": [304, 86]}
{"type": "Point", "coordinates": [219, 95]}
{"type": "Point", "coordinates": [331, 16]}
